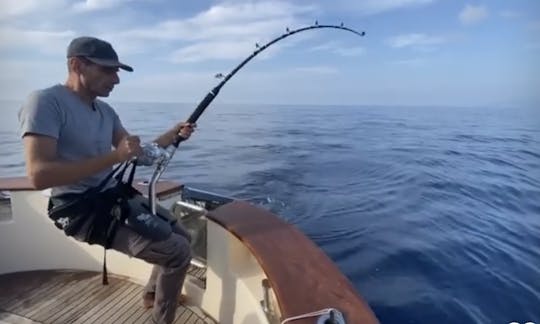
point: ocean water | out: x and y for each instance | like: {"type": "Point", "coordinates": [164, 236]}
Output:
{"type": "Point", "coordinates": [432, 212]}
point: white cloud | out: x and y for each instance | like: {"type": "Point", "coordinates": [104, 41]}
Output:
{"type": "Point", "coordinates": [339, 49]}
{"type": "Point", "coordinates": [350, 51]}
{"type": "Point", "coordinates": [166, 87]}
{"type": "Point", "coordinates": [18, 7]}
{"type": "Point", "coordinates": [371, 7]}
{"type": "Point", "coordinates": [416, 40]}
{"type": "Point", "coordinates": [473, 14]}
{"type": "Point", "coordinates": [317, 69]}
{"type": "Point", "coordinates": [251, 11]}
{"type": "Point", "coordinates": [415, 62]}
{"type": "Point", "coordinates": [15, 8]}
{"type": "Point", "coordinates": [19, 76]}
{"type": "Point", "coordinates": [325, 46]}
{"type": "Point", "coordinates": [43, 41]}
{"type": "Point", "coordinates": [281, 85]}
{"type": "Point", "coordinates": [203, 51]}
{"type": "Point", "coordinates": [225, 31]}
{"type": "Point", "coordinates": [228, 20]}
{"type": "Point", "coordinates": [92, 5]}
{"type": "Point", "coordinates": [193, 30]}
{"type": "Point", "coordinates": [375, 6]}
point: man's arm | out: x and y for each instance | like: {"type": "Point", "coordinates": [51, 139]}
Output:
{"type": "Point", "coordinates": [45, 170]}
{"type": "Point", "coordinates": [118, 135]}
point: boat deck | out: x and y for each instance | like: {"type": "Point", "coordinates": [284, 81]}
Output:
{"type": "Point", "coordinates": [73, 296]}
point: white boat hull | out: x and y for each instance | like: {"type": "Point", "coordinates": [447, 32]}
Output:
{"type": "Point", "coordinates": [233, 278]}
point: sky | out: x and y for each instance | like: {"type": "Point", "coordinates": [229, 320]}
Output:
{"type": "Point", "coordinates": [415, 52]}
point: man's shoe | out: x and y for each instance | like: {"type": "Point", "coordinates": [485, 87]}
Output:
{"type": "Point", "coordinates": [148, 299]}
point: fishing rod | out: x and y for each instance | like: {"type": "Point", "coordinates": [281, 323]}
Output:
{"type": "Point", "coordinates": [214, 92]}
{"type": "Point", "coordinates": [153, 154]}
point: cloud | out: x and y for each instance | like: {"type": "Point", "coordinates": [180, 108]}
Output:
{"type": "Point", "coordinates": [351, 51]}
{"type": "Point", "coordinates": [375, 6]}
{"type": "Point", "coordinates": [317, 69]}
{"type": "Point", "coordinates": [224, 31]}
{"type": "Point", "coordinates": [227, 20]}
{"type": "Point", "coordinates": [193, 30]}
{"type": "Point", "coordinates": [16, 8]}
{"type": "Point", "coordinates": [43, 41]}
{"type": "Point", "coordinates": [282, 85]}
{"type": "Point", "coordinates": [203, 51]}
{"type": "Point", "coordinates": [339, 49]}
{"type": "Point", "coordinates": [93, 5]}
{"type": "Point", "coordinates": [167, 86]}
{"type": "Point", "coordinates": [371, 7]}
{"type": "Point", "coordinates": [473, 14]}
{"type": "Point", "coordinates": [415, 62]}
{"type": "Point", "coordinates": [20, 76]}
{"type": "Point", "coordinates": [415, 40]}
{"type": "Point", "coordinates": [325, 46]}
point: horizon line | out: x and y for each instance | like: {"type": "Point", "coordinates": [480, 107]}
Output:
{"type": "Point", "coordinates": [363, 105]}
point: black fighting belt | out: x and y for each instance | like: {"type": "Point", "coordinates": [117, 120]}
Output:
{"type": "Point", "coordinates": [102, 211]}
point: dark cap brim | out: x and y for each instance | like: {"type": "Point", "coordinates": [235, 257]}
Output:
{"type": "Point", "coordinates": [110, 63]}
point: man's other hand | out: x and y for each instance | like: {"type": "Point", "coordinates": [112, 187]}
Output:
{"type": "Point", "coordinates": [128, 148]}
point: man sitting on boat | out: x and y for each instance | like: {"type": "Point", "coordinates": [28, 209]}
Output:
{"type": "Point", "coordinates": [68, 135]}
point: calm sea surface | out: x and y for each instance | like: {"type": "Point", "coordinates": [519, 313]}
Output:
{"type": "Point", "coordinates": [433, 213]}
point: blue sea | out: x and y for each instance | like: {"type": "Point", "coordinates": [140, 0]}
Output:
{"type": "Point", "coordinates": [432, 212]}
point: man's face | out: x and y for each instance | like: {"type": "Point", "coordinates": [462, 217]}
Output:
{"type": "Point", "coordinates": [97, 79]}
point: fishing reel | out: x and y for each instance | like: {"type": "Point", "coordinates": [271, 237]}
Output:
{"type": "Point", "coordinates": [153, 154]}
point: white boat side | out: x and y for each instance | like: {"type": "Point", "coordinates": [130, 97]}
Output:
{"type": "Point", "coordinates": [237, 269]}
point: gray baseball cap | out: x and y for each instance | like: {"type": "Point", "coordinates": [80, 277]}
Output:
{"type": "Point", "coordinates": [97, 51]}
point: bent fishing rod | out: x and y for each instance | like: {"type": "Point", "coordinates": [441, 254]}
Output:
{"type": "Point", "coordinates": [153, 154]}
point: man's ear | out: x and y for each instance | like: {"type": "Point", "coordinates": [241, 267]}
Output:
{"type": "Point", "coordinates": [75, 64]}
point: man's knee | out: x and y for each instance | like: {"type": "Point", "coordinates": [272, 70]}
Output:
{"type": "Point", "coordinates": [181, 254]}
{"type": "Point", "coordinates": [179, 229]}
{"type": "Point", "coordinates": [174, 252]}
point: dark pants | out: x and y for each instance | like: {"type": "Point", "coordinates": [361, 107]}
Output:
{"type": "Point", "coordinates": [171, 259]}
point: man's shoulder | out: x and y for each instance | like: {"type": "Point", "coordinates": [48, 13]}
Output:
{"type": "Point", "coordinates": [54, 90]}
{"type": "Point", "coordinates": [46, 94]}
{"type": "Point", "coordinates": [41, 113]}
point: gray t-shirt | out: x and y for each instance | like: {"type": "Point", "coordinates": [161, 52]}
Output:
{"type": "Point", "coordinates": [81, 131]}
